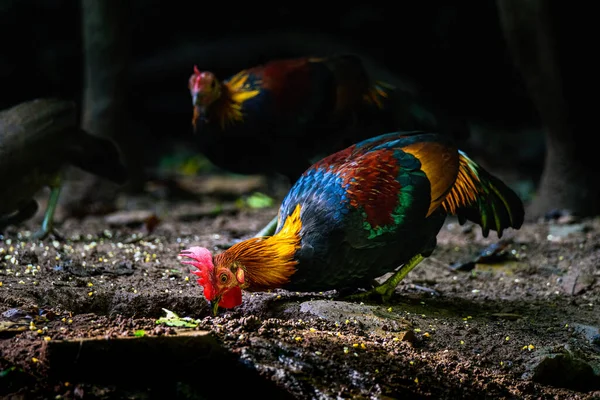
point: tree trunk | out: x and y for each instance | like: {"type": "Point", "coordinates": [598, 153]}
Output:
{"type": "Point", "coordinates": [569, 181]}
{"type": "Point", "coordinates": [106, 40]}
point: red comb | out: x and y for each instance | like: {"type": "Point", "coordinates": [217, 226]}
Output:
{"type": "Point", "coordinates": [201, 258]}
{"type": "Point", "coordinates": [196, 70]}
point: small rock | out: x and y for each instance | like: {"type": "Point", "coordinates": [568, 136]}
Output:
{"type": "Point", "coordinates": [370, 317]}
{"type": "Point", "coordinates": [563, 369]}
{"type": "Point", "coordinates": [128, 218]}
{"type": "Point", "coordinates": [122, 268]}
{"type": "Point", "coordinates": [224, 185]}
{"type": "Point", "coordinates": [198, 211]}
{"type": "Point", "coordinates": [558, 232]}
{"type": "Point", "coordinates": [568, 219]}
{"type": "Point", "coordinates": [576, 282]}
{"type": "Point", "coordinates": [591, 333]}
{"type": "Point", "coordinates": [29, 257]}
{"type": "Point", "coordinates": [560, 215]}
{"type": "Point", "coordinates": [509, 316]}
{"type": "Point", "coordinates": [473, 330]}
{"type": "Point", "coordinates": [159, 330]}
{"type": "Point", "coordinates": [10, 329]}
{"type": "Point", "coordinates": [14, 314]}
{"type": "Point", "coordinates": [78, 392]}
{"type": "Point", "coordinates": [407, 336]}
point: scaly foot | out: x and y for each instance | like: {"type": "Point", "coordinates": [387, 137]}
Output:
{"type": "Point", "coordinates": [48, 222]}
{"type": "Point", "coordinates": [385, 291]}
{"type": "Point", "coordinates": [380, 294]}
{"type": "Point", "coordinates": [42, 234]}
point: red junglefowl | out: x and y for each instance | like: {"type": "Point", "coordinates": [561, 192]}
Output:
{"type": "Point", "coordinates": [282, 116]}
{"type": "Point", "coordinates": [358, 214]}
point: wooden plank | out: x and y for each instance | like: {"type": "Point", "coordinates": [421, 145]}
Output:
{"type": "Point", "coordinates": [194, 358]}
{"type": "Point", "coordinates": [102, 359]}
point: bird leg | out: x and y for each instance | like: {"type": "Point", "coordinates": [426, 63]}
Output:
{"type": "Point", "coordinates": [386, 289]}
{"type": "Point", "coordinates": [22, 214]}
{"type": "Point", "coordinates": [269, 229]}
{"type": "Point", "coordinates": [48, 222]}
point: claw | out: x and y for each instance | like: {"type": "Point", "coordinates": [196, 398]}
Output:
{"type": "Point", "coordinates": [42, 234]}
{"type": "Point", "coordinates": [380, 294]}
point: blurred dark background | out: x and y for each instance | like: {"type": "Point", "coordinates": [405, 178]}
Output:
{"type": "Point", "coordinates": [454, 53]}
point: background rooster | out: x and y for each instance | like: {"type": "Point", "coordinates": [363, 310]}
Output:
{"type": "Point", "coordinates": [282, 116]}
{"type": "Point", "coordinates": [244, 121]}
{"type": "Point", "coordinates": [38, 139]}
{"type": "Point", "coordinates": [358, 214]}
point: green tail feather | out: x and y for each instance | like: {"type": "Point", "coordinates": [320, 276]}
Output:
{"type": "Point", "coordinates": [383, 86]}
{"type": "Point", "coordinates": [497, 207]}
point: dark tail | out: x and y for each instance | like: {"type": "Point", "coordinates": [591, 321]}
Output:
{"type": "Point", "coordinates": [98, 156]}
{"type": "Point", "coordinates": [379, 94]}
{"type": "Point", "coordinates": [350, 72]}
{"type": "Point", "coordinates": [480, 197]}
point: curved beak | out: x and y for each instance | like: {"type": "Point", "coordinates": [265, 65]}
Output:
{"type": "Point", "coordinates": [194, 98]}
{"type": "Point", "coordinates": [214, 305]}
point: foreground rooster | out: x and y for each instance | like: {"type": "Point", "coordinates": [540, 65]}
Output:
{"type": "Point", "coordinates": [358, 214]}
{"type": "Point", "coordinates": [284, 115]}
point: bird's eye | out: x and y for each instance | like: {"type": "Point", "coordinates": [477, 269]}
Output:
{"type": "Point", "coordinates": [213, 84]}
{"type": "Point", "coordinates": [224, 278]}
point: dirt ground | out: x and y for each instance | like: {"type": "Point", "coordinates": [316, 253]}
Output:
{"type": "Point", "coordinates": [521, 326]}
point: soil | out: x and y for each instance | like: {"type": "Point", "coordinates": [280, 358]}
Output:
{"type": "Point", "coordinates": [520, 325]}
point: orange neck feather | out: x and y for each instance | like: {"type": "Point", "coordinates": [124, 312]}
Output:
{"type": "Point", "coordinates": [228, 108]}
{"type": "Point", "coordinates": [268, 262]}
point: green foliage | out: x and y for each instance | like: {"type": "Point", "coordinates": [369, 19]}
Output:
{"type": "Point", "coordinates": [256, 200]}
{"type": "Point", "coordinates": [185, 163]}
{"type": "Point", "coordinates": [7, 371]}
{"type": "Point", "coordinates": [172, 319]}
